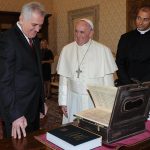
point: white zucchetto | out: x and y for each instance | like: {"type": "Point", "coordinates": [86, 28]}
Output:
{"type": "Point", "coordinates": [88, 21]}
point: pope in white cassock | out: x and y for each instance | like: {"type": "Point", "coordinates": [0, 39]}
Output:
{"type": "Point", "coordinates": [81, 63]}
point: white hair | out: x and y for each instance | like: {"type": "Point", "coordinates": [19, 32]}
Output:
{"type": "Point", "coordinates": [89, 22]}
{"type": "Point", "coordinates": [29, 8]}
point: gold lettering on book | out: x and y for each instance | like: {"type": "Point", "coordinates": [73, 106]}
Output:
{"type": "Point", "coordinates": [77, 136]}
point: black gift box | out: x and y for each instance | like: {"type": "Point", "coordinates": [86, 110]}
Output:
{"type": "Point", "coordinates": [123, 117]}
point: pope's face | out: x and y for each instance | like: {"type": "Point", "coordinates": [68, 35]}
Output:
{"type": "Point", "coordinates": [143, 20]}
{"type": "Point", "coordinates": [32, 25]}
{"type": "Point", "coordinates": [83, 32]}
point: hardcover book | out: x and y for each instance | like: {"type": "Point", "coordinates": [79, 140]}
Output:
{"type": "Point", "coordinates": [71, 137]}
{"type": "Point", "coordinates": [119, 112]}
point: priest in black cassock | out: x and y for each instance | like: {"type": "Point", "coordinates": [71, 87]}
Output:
{"type": "Point", "coordinates": [133, 54]}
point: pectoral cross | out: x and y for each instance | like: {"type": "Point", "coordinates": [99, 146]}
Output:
{"type": "Point", "coordinates": [78, 72]}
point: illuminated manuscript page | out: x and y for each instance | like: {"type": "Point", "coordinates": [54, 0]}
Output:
{"type": "Point", "coordinates": [103, 98]}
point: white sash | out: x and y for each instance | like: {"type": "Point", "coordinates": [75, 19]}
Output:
{"type": "Point", "coordinates": [78, 87]}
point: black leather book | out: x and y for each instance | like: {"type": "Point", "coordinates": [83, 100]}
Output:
{"type": "Point", "coordinates": [71, 137]}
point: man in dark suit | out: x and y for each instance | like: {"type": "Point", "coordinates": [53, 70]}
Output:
{"type": "Point", "coordinates": [21, 85]}
{"type": "Point", "coordinates": [133, 54]}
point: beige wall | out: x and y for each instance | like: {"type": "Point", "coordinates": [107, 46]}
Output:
{"type": "Point", "coordinates": [112, 21]}
{"type": "Point", "coordinates": [16, 5]}
{"type": "Point", "coordinates": [112, 16]}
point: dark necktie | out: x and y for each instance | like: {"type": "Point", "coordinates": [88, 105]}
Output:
{"type": "Point", "coordinates": [32, 47]}
{"type": "Point", "coordinates": [30, 42]}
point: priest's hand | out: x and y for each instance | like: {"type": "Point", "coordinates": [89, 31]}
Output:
{"type": "Point", "coordinates": [18, 127]}
{"type": "Point", "coordinates": [64, 110]}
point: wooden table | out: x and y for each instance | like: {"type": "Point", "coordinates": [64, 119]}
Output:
{"type": "Point", "coordinates": [30, 143]}
{"type": "Point", "coordinates": [144, 145]}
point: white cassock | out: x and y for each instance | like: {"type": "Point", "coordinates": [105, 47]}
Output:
{"type": "Point", "coordinates": [97, 65]}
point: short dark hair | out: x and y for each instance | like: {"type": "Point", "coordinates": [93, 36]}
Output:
{"type": "Point", "coordinates": [145, 8]}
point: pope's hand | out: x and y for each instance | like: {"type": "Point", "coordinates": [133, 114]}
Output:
{"type": "Point", "coordinates": [18, 127]}
{"type": "Point", "coordinates": [46, 109]}
{"type": "Point", "coordinates": [64, 110]}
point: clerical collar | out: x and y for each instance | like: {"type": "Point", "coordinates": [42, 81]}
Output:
{"type": "Point", "coordinates": [22, 32]}
{"type": "Point", "coordinates": [143, 32]}
{"type": "Point", "coordinates": [84, 45]}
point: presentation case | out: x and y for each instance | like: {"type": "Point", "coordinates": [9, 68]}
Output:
{"type": "Point", "coordinates": [119, 112]}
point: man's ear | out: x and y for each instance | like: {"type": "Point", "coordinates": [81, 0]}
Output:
{"type": "Point", "coordinates": [91, 33]}
{"type": "Point", "coordinates": [20, 19]}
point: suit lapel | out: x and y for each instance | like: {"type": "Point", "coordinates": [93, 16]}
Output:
{"type": "Point", "coordinates": [22, 38]}
{"type": "Point", "coordinates": [37, 53]}
{"type": "Point", "coordinates": [35, 45]}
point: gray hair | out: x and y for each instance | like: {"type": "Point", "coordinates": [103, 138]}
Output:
{"type": "Point", "coordinates": [31, 7]}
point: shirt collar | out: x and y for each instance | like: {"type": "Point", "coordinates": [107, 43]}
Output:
{"type": "Point", "coordinates": [19, 26]}
{"type": "Point", "coordinates": [86, 44]}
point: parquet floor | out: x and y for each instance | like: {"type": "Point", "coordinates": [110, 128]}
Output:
{"type": "Point", "coordinates": [54, 114]}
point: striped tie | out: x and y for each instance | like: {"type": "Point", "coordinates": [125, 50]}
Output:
{"type": "Point", "coordinates": [30, 42]}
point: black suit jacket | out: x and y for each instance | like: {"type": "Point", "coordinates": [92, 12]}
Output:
{"type": "Point", "coordinates": [21, 91]}
{"type": "Point", "coordinates": [133, 57]}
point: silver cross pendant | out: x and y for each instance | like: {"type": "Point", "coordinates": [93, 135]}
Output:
{"type": "Point", "coordinates": [78, 72]}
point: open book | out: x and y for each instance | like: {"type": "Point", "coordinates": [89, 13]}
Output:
{"type": "Point", "coordinates": [103, 98]}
